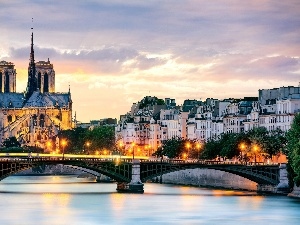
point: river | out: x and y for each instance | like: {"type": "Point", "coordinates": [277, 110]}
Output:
{"type": "Point", "coordinates": [51, 200]}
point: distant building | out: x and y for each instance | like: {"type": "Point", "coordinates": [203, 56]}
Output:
{"type": "Point", "coordinates": [148, 125]}
{"type": "Point", "coordinates": [98, 123]}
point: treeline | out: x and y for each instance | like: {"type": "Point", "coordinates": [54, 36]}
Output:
{"type": "Point", "coordinates": [258, 142]}
{"type": "Point", "coordinates": [78, 141]}
{"type": "Point", "coordinates": [84, 141]}
{"type": "Point", "coordinates": [11, 145]}
{"type": "Point", "coordinates": [292, 151]}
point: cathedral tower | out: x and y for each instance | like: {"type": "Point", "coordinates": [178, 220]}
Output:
{"type": "Point", "coordinates": [7, 77]}
{"type": "Point", "coordinates": [45, 76]}
{"type": "Point", "coordinates": [32, 81]}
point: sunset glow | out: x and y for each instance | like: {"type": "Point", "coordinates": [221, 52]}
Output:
{"type": "Point", "coordinates": [113, 53]}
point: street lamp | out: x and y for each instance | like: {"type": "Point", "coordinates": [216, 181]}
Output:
{"type": "Point", "coordinates": [121, 148]}
{"type": "Point", "coordinates": [49, 146]}
{"type": "Point", "coordinates": [184, 155]}
{"type": "Point", "coordinates": [198, 146]}
{"type": "Point", "coordinates": [188, 145]}
{"type": "Point", "coordinates": [255, 150]}
{"type": "Point", "coordinates": [88, 145]}
{"type": "Point", "coordinates": [63, 144]}
{"type": "Point", "coordinates": [149, 148]}
{"type": "Point", "coordinates": [133, 144]}
{"type": "Point", "coordinates": [242, 147]}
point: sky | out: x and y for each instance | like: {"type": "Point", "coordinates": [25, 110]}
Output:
{"type": "Point", "coordinates": [112, 53]}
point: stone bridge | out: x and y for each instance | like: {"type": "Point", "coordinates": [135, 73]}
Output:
{"type": "Point", "coordinates": [131, 174]}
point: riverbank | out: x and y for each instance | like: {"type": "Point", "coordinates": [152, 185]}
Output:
{"type": "Point", "coordinates": [208, 178]}
{"type": "Point", "coordinates": [295, 193]}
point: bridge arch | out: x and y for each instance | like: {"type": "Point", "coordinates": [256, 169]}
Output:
{"type": "Point", "coordinates": [119, 173]}
{"type": "Point", "coordinates": [258, 174]}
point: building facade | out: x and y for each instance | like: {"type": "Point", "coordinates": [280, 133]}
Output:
{"type": "Point", "coordinates": [202, 121]}
{"type": "Point", "coordinates": [36, 116]}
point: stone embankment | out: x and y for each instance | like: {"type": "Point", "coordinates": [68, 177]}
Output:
{"type": "Point", "coordinates": [295, 192]}
{"type": "Point", "coordinates": [209, 178]}
{"type": "Point", "coordinates": [60, 169]}
{"type": "Point", "coordinates": [51, 170]}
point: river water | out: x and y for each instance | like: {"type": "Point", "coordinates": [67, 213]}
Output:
{"type": "Point", "coordinates": [50, 200]}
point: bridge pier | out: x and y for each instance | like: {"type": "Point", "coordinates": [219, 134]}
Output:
{"type": "Point", "coordinates": [283, 186]}
{"type": "Point", "coordinates": [135, 185]}
{"type": "Point", "coordinates": [266, 188]}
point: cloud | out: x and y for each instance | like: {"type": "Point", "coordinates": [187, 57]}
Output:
{"type": "Point", "coordinates": [119, 51]}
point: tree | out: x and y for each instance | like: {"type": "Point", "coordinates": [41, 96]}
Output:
{"type": "Point", "coordinates": [229, 144]}
{"type": "Point", "coordinates": [171, 148]}
{"type": "Point", "coordinates": [11, 142]}
{"type": "Point", "coordinates": [211, 149]}
{"type": "Point", "coordinates": [75, 139]}
{"type": "Point", "coordinates": [293, 151]}
{"type": "Point", "coordinates": [276, 142]}
{"type": "Point", "coordinates": [101, 138]}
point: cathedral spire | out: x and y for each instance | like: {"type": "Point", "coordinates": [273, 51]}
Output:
{"type": "Point", "coordinates": [32, 82]}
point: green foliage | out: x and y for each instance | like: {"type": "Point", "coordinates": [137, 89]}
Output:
{"type": "Point", "coordinates": [179, 148]}
{"type": "Point", "coordinates": [276, 142]}
{"type": "Point", "coordinates": [99, 138]}
{"type": "Point", "coordinates": [11, 142]}
{"type": "Point", "coordinates": [171, 148]}
{"type": "Point", "coordinates": [211, 149]}
{"type": "Point", "coordinates": [228, 145]}
{"type": "Point", "coordinates": [33, 149]}
{"type": "Point", "coordinates": [160, 102]}
{"type": "Point", "coordinates": [293, 151]}
{"type": "Point", "coordinates": [13, 150]}
{"type": "Point", "coordinates": [75, 139]}
{"type": "Point", "coordinates": [146, 101]}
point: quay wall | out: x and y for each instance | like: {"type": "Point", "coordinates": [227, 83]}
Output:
{"type": "Point", "coordinates": [295, 192]}
{"type": "Point", "coordinates": [208, 178]}
{"type": "Point", "coordinates": [60, 169]}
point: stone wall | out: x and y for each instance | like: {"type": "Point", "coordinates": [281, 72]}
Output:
{"type": "Point", "coordinates": [57, 169]}
{"type": "Point", "coordinates": [209, 178]}
{"type": "Point", "coordinates": [295, 192]}
{"type": "Point", "coordinates": [60, 169]}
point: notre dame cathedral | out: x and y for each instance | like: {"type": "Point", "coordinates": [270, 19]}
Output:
{"type": "Point", "coordinates": [37, 115]}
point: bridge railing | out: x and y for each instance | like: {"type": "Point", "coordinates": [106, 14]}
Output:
{"type": "Point", "coordinates": [127, 160]}
{"type": "Point", "coordinates": [52, 158]}
{"type": "Point", "coordinates": [206, 162]}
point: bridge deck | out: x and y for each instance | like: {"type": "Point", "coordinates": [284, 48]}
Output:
{"type": "Point", "coordinates": [119, 169]}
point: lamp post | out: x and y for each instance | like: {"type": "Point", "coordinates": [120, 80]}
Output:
{"type": "Point", "coordinates": [255, 150]}
{"type": "Point", "coordinates": [49, 146]}
{"type": "Point", "coordinates": [184, 155]}
{"type": "Point", "coordinates": [198, 146]}
{"type": "Point", "coordinates": [63, 144]}
{"type": "Point", "coordinates": [121, 148]}
{"type": "Point", "coordinates": [188, 145]}
{"type": "Point", "coordinates": [133, 144]}
{"type": "Point", "coordinates": [87, 146]}
{"type": "Point", "coordinates": [149, 148]}
{"type": "Point", "coordinates": [242, 147]}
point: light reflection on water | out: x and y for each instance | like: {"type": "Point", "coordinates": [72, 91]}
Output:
{"type": "Point", "coordinates": [70, 200]}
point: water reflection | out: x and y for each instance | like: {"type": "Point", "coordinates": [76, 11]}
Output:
{"type": "Point", "coordinates": [55, 206]}
{"type": "Point", "coordinates": [68, 200]}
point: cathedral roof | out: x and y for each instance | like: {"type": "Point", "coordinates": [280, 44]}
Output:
{"type": "Point", "coordinates": [38, 99]}
{"type": "Point", "coordinates": [11, 100]}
